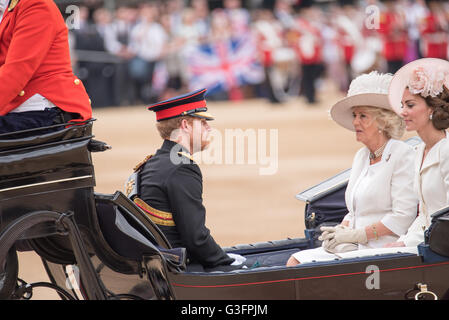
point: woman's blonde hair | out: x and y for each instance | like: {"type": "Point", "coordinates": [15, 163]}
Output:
{"type": "Point", "coordinates": [387, 120]}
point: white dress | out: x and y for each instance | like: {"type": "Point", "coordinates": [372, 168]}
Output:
{"type": "Point", "coordinates": [380, 192]}
{"type": "Point", "coordinates": [431, 185]}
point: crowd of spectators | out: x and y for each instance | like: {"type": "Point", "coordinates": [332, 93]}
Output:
{"type": "Point", "coordinates": [151, 50]}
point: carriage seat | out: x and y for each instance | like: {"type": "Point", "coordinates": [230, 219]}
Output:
{"type": "Point", "coordinates": [29, 158]}
{"type": "Point", "coordinates": [132, 235]}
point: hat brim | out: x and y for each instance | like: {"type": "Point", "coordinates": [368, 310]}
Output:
{"type": "Point", "coordinates": [341, 112]}
{"type": "Point", "coordinates": [402, 77]}
{"type": "Point", "coordinates": [203, 115]}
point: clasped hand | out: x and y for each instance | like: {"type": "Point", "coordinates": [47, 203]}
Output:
{"type": "Point", "coordinates": [334, 236]}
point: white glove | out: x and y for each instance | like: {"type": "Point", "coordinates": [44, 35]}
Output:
{"type": "Point", "coordinates": [238, 259]}
{"type": "Point", "coordinates": [347, 235]}
{"type": "Point", "coordinates": [339, 248]}
{"type": "Point", "coordinates": [328, 232]}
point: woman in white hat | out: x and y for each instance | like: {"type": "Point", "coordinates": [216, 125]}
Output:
{"type": "Point", "coordinates": [419, 93]}
{"type": "Point", "coordinates": [379, 196]}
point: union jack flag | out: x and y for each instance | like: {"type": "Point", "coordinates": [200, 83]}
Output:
{"type": "Point", "coordinates": [224, 65]}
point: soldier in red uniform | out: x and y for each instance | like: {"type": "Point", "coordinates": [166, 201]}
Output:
{"type": "Point", "coordinates": [309, 44]}
{"type": "Point", "coordinates": [37, 84]}
{"type": "Point", "coordinates": [394, 35]}
{"type": "Point", "coordinates": [434, 33]}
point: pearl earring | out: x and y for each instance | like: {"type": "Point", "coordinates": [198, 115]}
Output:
{"type": "Point", "coordinates": [431, 117]}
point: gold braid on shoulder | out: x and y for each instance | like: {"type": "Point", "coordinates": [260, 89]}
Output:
{"type": "Point", "coordinates": [141, 163]}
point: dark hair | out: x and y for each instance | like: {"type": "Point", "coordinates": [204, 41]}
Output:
{"type": "Point", "coordinates": [440, 107]}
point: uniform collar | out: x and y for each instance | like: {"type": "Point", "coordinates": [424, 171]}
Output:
{"type": "Point", "coordinates": [169, 145]}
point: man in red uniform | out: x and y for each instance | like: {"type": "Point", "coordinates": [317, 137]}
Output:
{"type": "Point", "coordinates": [434, 32]}
{"type": "Point", "coordinates": [309, 50]}
{"type": "Point", "coordinates": [37, 84]}
{"type": "Point", "coordinates": [394, 34]}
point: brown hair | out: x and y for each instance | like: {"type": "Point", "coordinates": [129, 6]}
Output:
{"type": "Point", "coordinates": [166, 127]}
{"type": "Point", "coordinates": [440, 107]}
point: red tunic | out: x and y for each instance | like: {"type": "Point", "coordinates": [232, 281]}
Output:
{"type": "Point", "coordinates": [35, 58]}
{"type": "Point", "coordinates": [394, 35]}
{"type": "Point", "coordinates": [434, 40]}
{"type": "Point", "coordinates": [308, 43]}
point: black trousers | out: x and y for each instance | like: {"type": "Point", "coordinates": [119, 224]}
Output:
{"type": "Point", "coordinates": [394, 65]}
{"type": "Point", "coordinates": [18, 121]}
{"type": "Point", "coordinates": [310, 73]}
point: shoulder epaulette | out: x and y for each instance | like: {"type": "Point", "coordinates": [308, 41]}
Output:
{"type": "Point", "coordinates": [13, 4]}
{"type": "Point", "coordinates": [141, 163]}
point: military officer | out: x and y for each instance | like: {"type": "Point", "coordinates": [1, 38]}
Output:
{"type": "Point", "coordinates": [37, 84]}
{"type": "Point", "coordinates": [169, 183]}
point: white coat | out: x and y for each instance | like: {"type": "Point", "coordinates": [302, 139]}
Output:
{"type": "Point", "coordinates": [382, 192]}
{"type": "Point", "coordinates": [432, 187]}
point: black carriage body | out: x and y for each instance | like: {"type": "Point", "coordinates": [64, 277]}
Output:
{"type": "Point", "coordinates": [353, 279]}
{"type": "Point", "coordinates": [50, 172]}
{"type": "Point", "coordinates": [132, 259]}
{"type": "Point", "coordinates": [398, 274]}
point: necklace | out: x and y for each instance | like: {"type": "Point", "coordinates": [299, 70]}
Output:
{"type": "Point", "coordinates": [378, 152]}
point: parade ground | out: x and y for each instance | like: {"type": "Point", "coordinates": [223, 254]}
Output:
{"type": "Point", "coordinates": [246, 201]}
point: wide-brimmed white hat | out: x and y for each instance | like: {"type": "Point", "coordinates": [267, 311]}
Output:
{"type": "Point", "coordinates": [423, 76]}
{"type": "Point", "coordinates": [366, 90]}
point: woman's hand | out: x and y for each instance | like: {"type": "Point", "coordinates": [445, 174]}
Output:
{"type": "Point", "coordinates": [328, 232]}
{"type": "Point", "coordinates": [333, 236]}
{"type": "Point", "coordinates": [394, 244]}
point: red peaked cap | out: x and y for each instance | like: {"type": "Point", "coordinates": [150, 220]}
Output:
{"type": "Point", "coordinates": [190, 104]}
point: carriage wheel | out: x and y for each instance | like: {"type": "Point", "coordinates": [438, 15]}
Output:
{"type": "Point", "coordinates": [64, 225]}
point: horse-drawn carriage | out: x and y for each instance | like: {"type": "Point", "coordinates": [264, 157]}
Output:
{"type": "Point", "coordinates": [48, 204]}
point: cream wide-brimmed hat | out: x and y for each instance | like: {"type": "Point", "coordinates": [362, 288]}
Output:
{"type": "Point", "coordinates": [366, 90]}
{"type": "Point", "coordinates": [423, 76]}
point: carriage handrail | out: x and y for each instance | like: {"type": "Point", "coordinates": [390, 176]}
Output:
{"type": "Point", "coordinates": [55, 143]}
{"type": "Point", "coordinates": [71, 123]}
{"type": "Point", "coordinates": [440, 212]}
{"type": "Point", "coordinates": [316, 192]}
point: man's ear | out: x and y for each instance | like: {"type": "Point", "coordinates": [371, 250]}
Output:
{"type": "Point", "coordinates": [185, 125]}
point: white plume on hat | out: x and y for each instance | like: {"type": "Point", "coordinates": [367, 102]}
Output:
{"type": "Point", "coordinates": [366, 90]}
{"type": "Point", "coordinates": [373, 82]}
